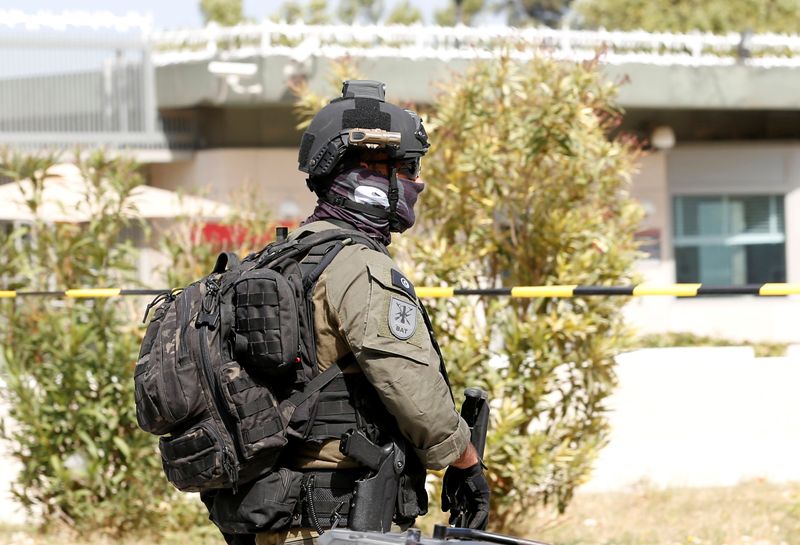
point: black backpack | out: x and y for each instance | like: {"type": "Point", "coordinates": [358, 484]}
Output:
{"type": "Point", "coordinates": [227, 370]}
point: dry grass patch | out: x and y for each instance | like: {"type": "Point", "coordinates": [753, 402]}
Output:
{"type": "Point", "coordinates": [752, 513]}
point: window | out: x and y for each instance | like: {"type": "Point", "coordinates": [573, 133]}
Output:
{"type": "Point", "coordinates": [730, 239]}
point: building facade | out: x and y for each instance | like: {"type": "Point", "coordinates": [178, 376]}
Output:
{"type": "Point", "coordinates": [720, 184]}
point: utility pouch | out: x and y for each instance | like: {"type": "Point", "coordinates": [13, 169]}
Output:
{"type": "Point", "coordinates": [259, 425]}
{"type": "Point", "coordinates": [195, 460]}
{"type": "Point", "coordinates": [167, 391]}
{"type": "Point", "coordinates": [265, 330]}
{"type": "Point", "coordinates": [266, 503]}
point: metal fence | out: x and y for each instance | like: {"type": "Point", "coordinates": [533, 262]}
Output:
{"type": "Point", "coordinates": [77, 79]}
{"type": "Point", "coordinates": [446, 43]}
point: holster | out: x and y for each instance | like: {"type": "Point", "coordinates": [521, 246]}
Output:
{"type": "Point", "coordinates": [376, 496]}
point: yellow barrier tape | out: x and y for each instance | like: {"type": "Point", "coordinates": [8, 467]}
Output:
{"type": "Point", "coordinates": [543, 291]}
{"type": "Point", "coordinates": [98, 292]}
{"type": "Point", "coordinates": [434, 292]}
{"type": "Point", "coordinates": [679, 290]}
{"type": "Point", "coordinates": [779, 289]}
{"type": "Point", "coordinates": [7, 294]}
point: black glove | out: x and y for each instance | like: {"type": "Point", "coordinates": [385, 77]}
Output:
{"type": "Point", "coordinates": [466, 491]}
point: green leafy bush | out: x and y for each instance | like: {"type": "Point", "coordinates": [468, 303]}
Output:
{"type": "Point", "coordinates": [68, 365]}
{"type": "Point", "coordinates": [526, 188]}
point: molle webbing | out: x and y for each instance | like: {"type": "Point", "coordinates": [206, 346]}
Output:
{"type": "Point", "coordinates": [265, 430]}
{"type": "Point", "coordinates": [336, 409]}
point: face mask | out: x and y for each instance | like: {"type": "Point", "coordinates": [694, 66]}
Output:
{"type": "Point", "coordinates": [366, 187]}
{"type": "Point", "coordinates": [408, 194]}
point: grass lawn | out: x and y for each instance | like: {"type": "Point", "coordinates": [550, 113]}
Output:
{"type": "Point", "coordinates": [752, 513]}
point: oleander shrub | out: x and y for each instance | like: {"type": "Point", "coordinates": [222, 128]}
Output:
{"type": "Point", "coordinates": [67, 364]}
{"type": "Point", "coordinates": [526, 188]}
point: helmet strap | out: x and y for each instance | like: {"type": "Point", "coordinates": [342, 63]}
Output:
{"type": "Point", "coordinates": [394, 196]}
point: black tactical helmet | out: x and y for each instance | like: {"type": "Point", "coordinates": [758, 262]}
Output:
{"type": "Point", "coordinates": [361, 106]}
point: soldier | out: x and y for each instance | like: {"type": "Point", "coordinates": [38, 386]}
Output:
{"type": "Point", "coordinates": [366, 311]}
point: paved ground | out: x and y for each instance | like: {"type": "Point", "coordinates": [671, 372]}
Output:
{"type": "Point", "coordinates": [9, 511]}
{"type": "Point", "coordinates": [681, 416]}
{"type": "Point", "coordinates": [702, 417]}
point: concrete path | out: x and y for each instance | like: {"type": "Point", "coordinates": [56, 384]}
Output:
{"type": "Point", "coordinates": [702, 417]}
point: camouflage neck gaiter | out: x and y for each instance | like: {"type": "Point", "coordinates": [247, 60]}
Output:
{"type": "Point", "coordinates": [367, 187]}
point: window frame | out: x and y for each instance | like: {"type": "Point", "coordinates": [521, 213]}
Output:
{"type": "Point", "coordinates": [774, 236]}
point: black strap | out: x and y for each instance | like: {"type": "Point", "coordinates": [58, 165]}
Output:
{"type": "Point", "coordinates": [240, 385]}
{"type": "Point", "coordinates": [335, 408]}
{"type": "Point", "coordinates": [185, 470]}
{"type": "Point", "coordinates": [226, 261]}
{"type": "Point", "coordinates": [329, 235]}
{"type": "Point", "coordinates": [257, 298]}
{"type": "Point", "coordinates": [331, 430]}
{"type": "Point", "coordinates": [315, 256]}
{"type": "Point", "coordinates": [249, 409]}
{"type": "Point", "coordinates": [251, 435]}
{"type": "Point", "coordinates": [394, 197]}
{"type": "Point", "coordinates": [173, 450]}
{"type": "Point", "coordinates": [314, 274]}
{"type": "Point", "coordinates": [337, 385]}
{"type": "Point", "coordinates": [316, 384]}
{"type": "Point", "coordinates": [307, 240]}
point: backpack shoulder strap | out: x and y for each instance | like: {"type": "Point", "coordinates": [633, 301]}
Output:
{"type": "Point", "coordinates": [324, 246]}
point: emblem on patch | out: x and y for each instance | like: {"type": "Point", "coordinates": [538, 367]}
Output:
{"type": "Point", "coordinates": [402, 318]}
{"type": "Point", "coordinates": [400, 281]}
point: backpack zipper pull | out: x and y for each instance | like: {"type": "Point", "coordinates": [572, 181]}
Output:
{"type": "Point", "coordinates": [166, 296]}
{"type": "Point", "coordinates": [209, 310]}
{"type": "Point", "coordinates": [229, 465]}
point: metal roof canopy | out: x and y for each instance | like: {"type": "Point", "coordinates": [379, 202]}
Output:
{"type": "Point", "coordinates": [671, 71]}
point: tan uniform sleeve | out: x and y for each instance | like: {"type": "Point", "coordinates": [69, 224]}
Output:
{"type": "Point", "coordinates": [384, 328]}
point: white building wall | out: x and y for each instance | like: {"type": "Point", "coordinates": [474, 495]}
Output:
{"type": "Point", "coordinates": [732, 168]}
{"type": "Point", "coordinates": [701, 417]}
{"type": "Point", "coordinates": [712, 169]}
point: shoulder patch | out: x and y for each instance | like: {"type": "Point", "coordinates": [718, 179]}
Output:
{"type": "Point", "coordinates": [400, 281]}
{"type": "Point", "coordinates": [402, 318]}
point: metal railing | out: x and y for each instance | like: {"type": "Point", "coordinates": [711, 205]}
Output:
{"type": "Point", "coordinates": [445, 43]}
{"type": "Point", "coordinates": [77, 79]}
{"type": "Point", "coordinates": [88, 79]}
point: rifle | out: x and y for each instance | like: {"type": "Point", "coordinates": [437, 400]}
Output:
{"type": "Point", "coordinates": [475, 412]}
